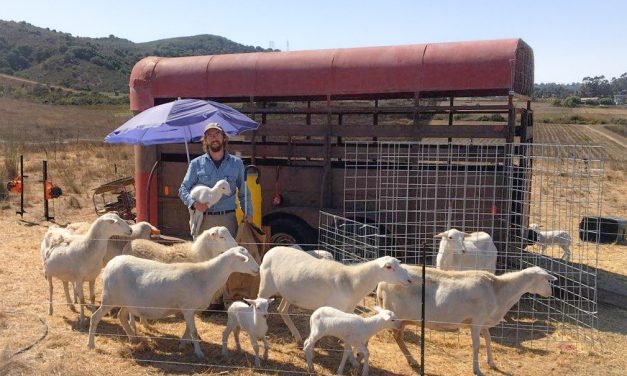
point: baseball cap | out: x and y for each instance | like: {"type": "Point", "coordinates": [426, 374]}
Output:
{"type": "Point", "coordinates": [213, 126]}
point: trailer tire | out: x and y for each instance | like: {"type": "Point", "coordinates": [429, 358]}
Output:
{"type": "Point", "coordinates": [292, 231]}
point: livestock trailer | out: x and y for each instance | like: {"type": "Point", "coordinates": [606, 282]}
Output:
{"type": "Point", "coordinates": [310, 104]}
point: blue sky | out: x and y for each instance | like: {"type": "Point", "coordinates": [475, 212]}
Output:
{"type": "Point", "coordinates": [570, 39]}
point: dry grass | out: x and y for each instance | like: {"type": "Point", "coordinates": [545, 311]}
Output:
{"type": "Point", "coordinates": [79, 167]}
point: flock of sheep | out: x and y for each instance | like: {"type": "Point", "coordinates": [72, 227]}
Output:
{"type": "Point", "coordinates": [147, 280]}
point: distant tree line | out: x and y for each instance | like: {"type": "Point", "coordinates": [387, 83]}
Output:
{"type": "Point", "coordinates": [591, 87]}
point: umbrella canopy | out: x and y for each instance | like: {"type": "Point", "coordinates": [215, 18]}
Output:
{"type": "Point", "coordinates": [182, 120]}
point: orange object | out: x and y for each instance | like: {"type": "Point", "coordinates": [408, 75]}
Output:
{"type": "Point", "coordinates": [52, 190]}
{"type": "Point", "coordinates": [15, 185]}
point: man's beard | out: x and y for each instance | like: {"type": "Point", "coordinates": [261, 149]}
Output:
{"type": "Point", "coordinates": [216, 147]}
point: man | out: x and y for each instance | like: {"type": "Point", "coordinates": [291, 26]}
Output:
{"type": "Point", "coordinates": [207, 169]}
{"type": "Point", "coordinates": [214, 165]}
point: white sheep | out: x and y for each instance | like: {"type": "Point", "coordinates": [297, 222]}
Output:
{"type": "Point", "coordinates": [310, 283]}
{"type": "Point", "coordinates": [353, 329]}
{"type": "Point", "coordinates": [454, 299]}
{"type": "Point", "coordinates": [560, 238]}
{"type": "Point", "coordinates": [154, 290]}
{"type": "Point", "coordinates": [208, 196]}
{"type": "Point", "coordinates": [250, 315]}
{"type": "Point", "coordinates": [115, 246]}
{"type": "Point", "coordinates": [206, 246]}
{"type": "Point", "coordinates": [79, 258]}
{"type": "Point", "coordinates": [462, 251]}
{"type": "Point", "coordinates": [321, 254]}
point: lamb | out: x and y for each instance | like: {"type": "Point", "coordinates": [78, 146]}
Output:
{"type": "Point", "coordinates": [208, 245]}
{"type": "Point", "coordinates": [310, 283]}
{"type": "Point", "coordinates": [250, 315]}
{"type": "Point", "coordinates": [560, 238]}
{"type": "Point", "coordinates": [79, 258]}
{"type": "Point", "coordinates": [208, 196]}
{"type": "Point", "coordinates": [353, 329]}
{"type": "Point", "coordinates": [454, 299]}
{"type": "Point", "coordinates": [154, 290]}
{"type": "Point", "coordinates": [461, 251]}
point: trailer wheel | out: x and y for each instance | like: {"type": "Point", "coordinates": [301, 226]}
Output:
{"type": "Point", "coordinates": [292, 231]}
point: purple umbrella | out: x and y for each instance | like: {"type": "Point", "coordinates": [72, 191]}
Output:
{"type": "Point", "coordinates": [182, 120]}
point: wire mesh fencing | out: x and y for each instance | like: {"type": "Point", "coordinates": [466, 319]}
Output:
{"type": "Point", "coordinates": [531, 199]}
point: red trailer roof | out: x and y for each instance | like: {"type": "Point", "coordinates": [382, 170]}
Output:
{"type": "Point", "coordinates": [476, 68]}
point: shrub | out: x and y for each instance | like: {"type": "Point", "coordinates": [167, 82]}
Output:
{"type": "Point", "coordinates": [556, 102]}
{"type": "Point", "coordinates": [572, 101]}
{"type": "Point", "coordinates": [492, 117]}
{"type": "Point", "coordinates": [606, 101]}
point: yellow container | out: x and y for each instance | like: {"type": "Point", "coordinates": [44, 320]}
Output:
{"type": "Point", "coordinates": [255, 195]}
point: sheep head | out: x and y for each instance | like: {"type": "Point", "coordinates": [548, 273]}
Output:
{"type": "Point", "coordinates": [245, 263]}
{"type": "Point", "coordinates": [389, 318]}
{"type": "Point", "coordinates": [392, 272]}
{"type": "Point", "coordinates": [222, 186]}
{"type": "Point", "coordinates": [111, 224]}
{"type": "Point", "coordinates": [540, 281]}
{"type": "Point", "coordinates": [260, 306]}
{"type": "Point", "coordinates": [453, 239]}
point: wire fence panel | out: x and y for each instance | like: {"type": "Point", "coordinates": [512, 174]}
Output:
{"type": "Point", "coordinates": [413, 191]}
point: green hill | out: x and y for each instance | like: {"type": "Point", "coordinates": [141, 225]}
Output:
{"type": "Point", "coordinates": [99, 64]}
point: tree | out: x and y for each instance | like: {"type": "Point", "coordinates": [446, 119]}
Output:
{"type": "Point", "coordinates": [597, 86]}
{"type": "Point", "coordinates": [619, 85]}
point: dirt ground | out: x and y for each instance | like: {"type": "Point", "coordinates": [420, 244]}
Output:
{"type": "Point", "coordinates": [24, 319]}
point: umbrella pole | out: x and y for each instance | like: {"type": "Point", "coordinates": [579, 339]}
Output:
{"type": "Point", "coordinates": [186, 149]}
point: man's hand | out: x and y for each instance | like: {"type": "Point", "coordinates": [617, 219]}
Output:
{"type": "Point", "coordinates": [249, 219]}
{"type": "Point", "coordinates": [200, 206]}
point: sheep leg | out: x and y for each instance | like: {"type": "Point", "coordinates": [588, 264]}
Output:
{"type": "Point", "coordinates": [347, 350]}
{"type": "Point", "coordinates": [184, 338]}
{"type": "Point", "coordinates": [68, 300]}
{"type": "Point", "coordinates": [398, 336]}
{"type": "Point", "coordinates": [566, 256]}
{"type": "Point", "coordinates": [225, 337]}
{"type": "Point", "coordinates": [188, 314]}
{"type": "Point", "coordinates": [310, 342]}
{"type": "Point", "coordinates": [475, 332]}
{"type": "Point", "coordinates": [81, 299]}
{"type": "Point", "coordinates": [366, 355]}
{"type": "Point", "coordinates": [265, 347]}
{"type": "Point", "coordinates": [255, 344]}
{"type": "Point", "coordinates": [50, 309]}
{"type": "Point", "coordinates": [238, 346]}
{"type": "Point", "coordinates": [283, 310]}
{"type": "Point", "coordinates": [123, 317]}
{"type": "Point", "coordinates": [92, 294]}
{"type": "Point", "coordinates": [95, 319]}
{"type": "Point", "coordinates": [542, 249]}
{"type": "Point", "coordinates": [488, 346]}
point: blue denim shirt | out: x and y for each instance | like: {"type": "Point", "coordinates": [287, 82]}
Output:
{"type": "Point", "coordinates": [203, 171]}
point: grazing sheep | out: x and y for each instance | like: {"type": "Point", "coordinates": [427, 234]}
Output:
{"type": "Point", "coordinates": [461, 251]}
{"type": "Point", "coordinates": [310, 283]}
{"type": "Point", "coordinates": [208, 196]}
{"type": "Point", "coordinates": [353, 329]}
{"type": "Point", "coordinates": [154, 290]}
{"type": "Point", "coordinates": [250, 315]}
{"type": "Point", "coordinates": [208, 245]}
{"type": "Point", "coordinates": [554, 237]}
{"type": "Point", "coordinates": [454, 299]}
{"type": "Point", "coordinates": [79, 258]}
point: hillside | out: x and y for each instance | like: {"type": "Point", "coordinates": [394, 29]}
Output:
{"type": "Point", "coordinates": [100, 64]}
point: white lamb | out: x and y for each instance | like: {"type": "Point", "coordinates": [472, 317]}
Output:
{"type": "Point", "coordinates": [560, 238]}
{"type": "Point", "coordinates": [461, 251]}
{"type": "Point", "coordinates": [154, 290]}
{"type": "Point", "coordinates": [310, 283]}
{"type": "Point", "coordinates": [205, 195]}
{"type": "Point", "coordinates": [250, 315]}
{"type": "Point", "coordinates": [455, 299]}
{"type": "Point", "coordinates": [79, 258]}
{"type": "Point", "coordinates": [353, 329]}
